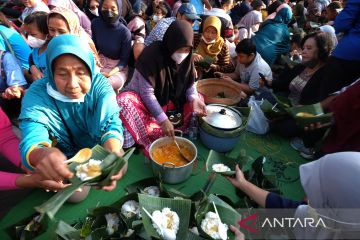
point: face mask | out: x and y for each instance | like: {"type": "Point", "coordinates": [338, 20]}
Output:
{"type": "Point", "coordinates": [109, 16]}
{"type": "Point", "coordinates": [207, 42]}
{"type": "Point", "coordinates": [155, 18]}
{"type": "Point", "coordinates": [58, 96]}
{"type": "Point", "coordinates": [179, 57]}
{"type": "Point", "coordinates": [35, 42]}
{"type": "Point", "coordinates": [94, 12]}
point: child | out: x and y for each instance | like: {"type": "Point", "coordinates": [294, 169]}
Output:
{"type": "Point", "coordinates": [250, 64]}
{"type": "Point", "coordinates": [37, 39]}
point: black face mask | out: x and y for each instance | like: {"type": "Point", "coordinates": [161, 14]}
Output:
{"type": "Point", "coordinates": [109, 16]}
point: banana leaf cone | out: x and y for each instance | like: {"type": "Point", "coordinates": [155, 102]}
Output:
{"type": "Point", "coordinates": [219, 158]}
{"type": "Point", "coordinates": [118, 204]}
{"type": "Point", "coordinates": [139, 186]}
{"type": "Point", "coordinates": [309, 114]}
{"type": "Point", "coordinates": [110, 165]}
{"type": "Point", "coordinates": [227, 214]}
{"type": "Point", "coordinates": [28, 228]}
{"type": "Point", "coordinates": [181, 206]}
{"type": "Point", "coordinates": [67, 232]}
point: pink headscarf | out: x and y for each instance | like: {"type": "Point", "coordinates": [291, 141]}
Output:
{"type": "Point", "coordinates": [65, 4]}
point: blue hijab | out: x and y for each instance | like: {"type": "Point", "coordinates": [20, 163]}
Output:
{"type": "Point", "coordinates": [45, 119]}
{"type": "Point", "coordinates": [273, 37]}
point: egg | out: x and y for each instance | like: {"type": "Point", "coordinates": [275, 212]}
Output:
{"type": "Point", "coordinates": [112, 223]}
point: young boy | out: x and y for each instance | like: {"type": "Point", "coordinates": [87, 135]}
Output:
{"type": "Point", "coordinates": [249, 67]}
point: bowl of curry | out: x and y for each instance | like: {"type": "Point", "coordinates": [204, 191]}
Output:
{"type": "Point", "coordinates": [166, 161]}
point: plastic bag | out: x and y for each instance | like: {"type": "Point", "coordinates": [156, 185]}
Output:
{"type": "Point", "coordinates": [257, 123]}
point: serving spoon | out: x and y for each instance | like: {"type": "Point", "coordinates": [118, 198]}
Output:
{"type": "Point", "coordinates": [182, 155]}
{"type": "Point", "coordinates": [82, 156]}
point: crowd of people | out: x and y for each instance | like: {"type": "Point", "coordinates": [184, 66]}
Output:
{"type": "Point", "coordinates": [119, 73]}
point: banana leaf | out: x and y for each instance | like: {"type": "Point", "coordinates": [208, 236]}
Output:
{"type": "Point", "coordinates": [193, 236]}
{"type": "Point", "coordinates": [309, 114]}
{"type": "Point", "coordinates": [181, 206]}
{"type": "Point", "coordinates": [205, 62]}
{"type": "Point", "coordinates": [110, 165]}
{"type": "Point", "coordinates": [67, 232]}
{"type": "Point", "coordinates": [218, 158]}
{"type": "Point", "coordinates": [272, 111]}
{"type": "Point", "coordinates": [227, 214]}
{"type": "Point", "coordinates": [28, 228]}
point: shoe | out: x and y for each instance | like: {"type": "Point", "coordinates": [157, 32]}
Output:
{"type": "Point", "coordinates": [298, 144]}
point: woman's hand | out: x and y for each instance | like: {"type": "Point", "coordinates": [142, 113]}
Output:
{"type": "Point", "coordinates": [168, 128]}
{"type": "Point", "coordinates": [50, 164]}
{"type": "Point", "coordinates": [197, 57]}
{"type": "Point", "coordinates": [199, 107]}
{"type": "Point", "coordinates": [13, 92]}
{"type": "Point", "coordinates": [36, 180]}
{"type": "Point", "coordinates": [238, 235]}
{"type": "Point", "coordinates": [239, 180]}
{"type": "Point", "coordinates": [36, 74]}
{"type": "Point", "coordinates": [115, 178]}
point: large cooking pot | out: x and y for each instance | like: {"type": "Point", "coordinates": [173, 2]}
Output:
{"type": "Point", "coordinates": [222, 128]}
{"type": "Point", "coordinates": [168, 172]}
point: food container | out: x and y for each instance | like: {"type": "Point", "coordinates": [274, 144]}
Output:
{"type": "Point", "coordinates": [221, 129]}
{"type": "Point", "coordinates": [219, 91]}
{"type": "Point", "coordinates": [168, 172]}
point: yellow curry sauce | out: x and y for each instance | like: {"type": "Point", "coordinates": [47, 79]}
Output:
{"type": "Point", "coordinates": [170, 153]}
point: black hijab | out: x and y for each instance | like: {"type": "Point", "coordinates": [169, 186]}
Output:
{"type": "Point", "coordinates": [169, 80]}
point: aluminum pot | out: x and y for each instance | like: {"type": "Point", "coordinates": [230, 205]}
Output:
{"type": "Point", "coordinates": [168, 172]}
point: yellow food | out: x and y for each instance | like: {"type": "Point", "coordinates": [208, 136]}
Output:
{"type": "Point", "coordinates": [304, 114]}
{"type": "Point", "coordinates": [170, 153]}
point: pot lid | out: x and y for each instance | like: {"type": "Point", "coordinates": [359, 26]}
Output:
{"type": "Point", "coordinates": [222, 117]}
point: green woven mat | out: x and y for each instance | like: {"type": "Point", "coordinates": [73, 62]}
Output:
{"type": "Point", "coordinates": [254, 145]}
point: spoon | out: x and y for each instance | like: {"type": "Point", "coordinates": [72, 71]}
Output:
{"type": "Point", "coordinates": [182, 155]}
{"type": "Point", "coordinates": [82, 156]}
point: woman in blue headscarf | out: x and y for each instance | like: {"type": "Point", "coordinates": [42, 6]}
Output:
{"type": "Point", "coordinates": [113, 41]}
{"type": "Point", "coordinates": [73, 107]}
{"type": "Point", "coordinates": [273, 37]}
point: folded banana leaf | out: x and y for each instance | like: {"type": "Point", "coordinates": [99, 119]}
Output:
{"type": "Point", "coordinates": [28, 228]}
{"type": "Point", "coordinates": [219, 158]}
{"type": "Point", "coordinates": [67, 232]}
{"type": "Point", "coordinates": [227, 214]}
{"type": "Point", "coordinates": [205, 62]}
{"type": "Point", "coordinates": [309, 114]}
{"type": "Point", "coordinates": [181, 206]}
{"type": "Point", "coordinates": [118, 204]}
{"type": "Point", "coordinates": [139, 186]}
{"type": "Point", "coordinates": [110, 165]}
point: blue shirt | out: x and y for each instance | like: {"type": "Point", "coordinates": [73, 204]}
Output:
{"type": "Point", "coordinates": [18, 44]}
{"type": "Point", "coordinates": [12, 70]}
{"type": "Point", "coordinates": [39, 59]}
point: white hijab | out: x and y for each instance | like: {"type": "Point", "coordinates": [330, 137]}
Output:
{"type": "Point", "coordinates": [249, 21]}
{"type": "Point", "coordinates": [332, 185]}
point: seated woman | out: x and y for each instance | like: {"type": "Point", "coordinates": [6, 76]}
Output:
{"type": "Point", "coordinates": [273, 37]}
{"type": "Point", "coordinates": [212, 46]}
{"type": "Point", "coordinates": [250, 23]}
{"type": "Point", "coordinates": [324, 193]}
{"type": "Point", "coordinates": [64, 21]}
{"type": "Point", "coordinates": [91, 9]}
{"type": "Point", "coordinates": [107, 30]}
{"type": "Point", "coordinates": [153, 4]}
{"type": "Point", "coordinates": [71, 108]}
{"type": "Point", "coordinates": [161, 84]}
{"type": "Point", "coordinates": [33, 6]}
{"type": "Point", "coordinates": [69, 4]}
{"type": "Point", "coordinates": [37, 30]}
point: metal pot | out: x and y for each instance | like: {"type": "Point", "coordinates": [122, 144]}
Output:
{"type": "Point", "coordinates": [223, 129]}
{"type": "Point", "coordinates": [222, 117]}
{"type": "Point", "coordinates": [168, 172]}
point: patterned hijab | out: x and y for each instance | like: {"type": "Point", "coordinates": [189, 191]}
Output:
{"type": "Point", "coordinates": [71, 19]}
{"type": "Point", "coordinates": [211, 50]}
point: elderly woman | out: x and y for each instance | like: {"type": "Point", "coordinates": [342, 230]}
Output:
{"type": "Point", "coordinates": [107, 30]}
{"type": "Point", "coordinates": [212, 46]}
{"type": "Point", "coordinates": [273, 37]}
{"type": "Point", "coordinates": [324, 192]}
{"type": "Point", "coordinates": [64, 21]}
{"type": "Point", "coordinates": [69, 4]}
{"type": "Point", "coordinates": [73, 107]}
{"type": "Point", "coordinates": [161, 85]}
